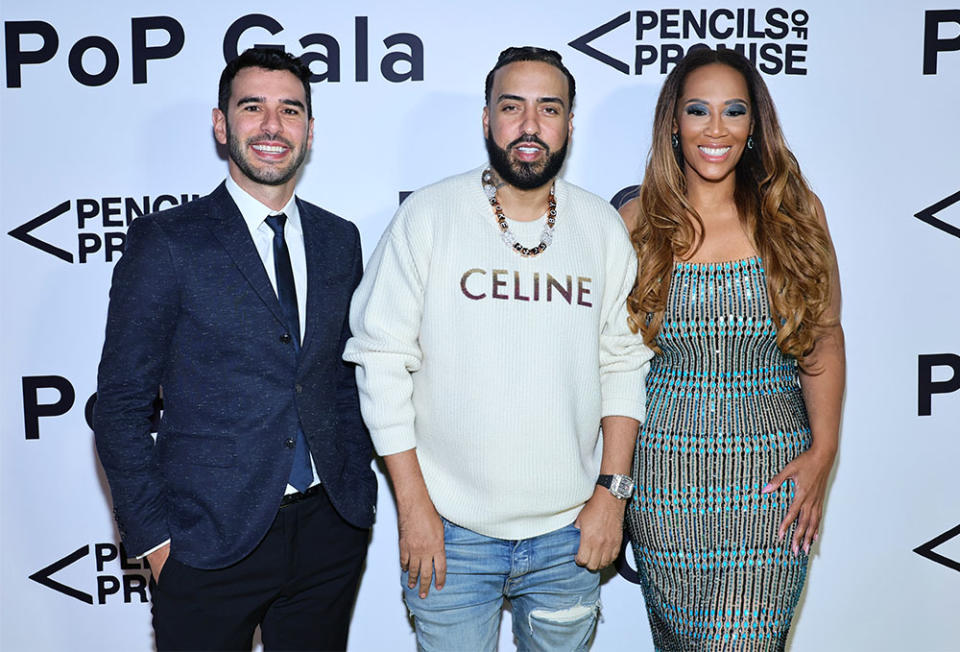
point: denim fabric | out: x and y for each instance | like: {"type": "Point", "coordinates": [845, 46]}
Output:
{"type": "Point", "coordinates": [555, 602]}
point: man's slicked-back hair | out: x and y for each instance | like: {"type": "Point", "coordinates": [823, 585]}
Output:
{"type": "Point", "coordinates": [531, 53]}
{"type": "Point", "coordinates": [269, 59]}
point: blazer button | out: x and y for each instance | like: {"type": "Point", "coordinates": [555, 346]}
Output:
{"type": "Point", "coordinates": [299, 389]}
{"type": "Point", "coordinates": [290, 442]}
{"type": "Point", "coordinates": [285, 338]}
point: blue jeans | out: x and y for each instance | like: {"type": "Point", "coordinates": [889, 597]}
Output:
{"type": "Point", "coordinates": [555, 602]}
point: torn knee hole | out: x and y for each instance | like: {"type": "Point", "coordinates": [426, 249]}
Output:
{"type": "Point", "coordinates": [569, 615]}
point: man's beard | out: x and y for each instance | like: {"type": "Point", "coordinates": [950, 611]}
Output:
{"type": "Point", "coordinates": [523, 175]}
{"type": "Point", "coordinates": [269, 175]}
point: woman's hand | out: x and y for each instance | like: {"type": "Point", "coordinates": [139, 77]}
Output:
{"type": "Point", "coordinates": [809, 471]}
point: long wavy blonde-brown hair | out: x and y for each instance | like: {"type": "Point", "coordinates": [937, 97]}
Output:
{"type": "Point", "coordinates": [775, 205]}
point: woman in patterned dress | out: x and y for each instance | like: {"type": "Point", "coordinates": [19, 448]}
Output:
{"type": "Point", "coordinates": [738, 293]}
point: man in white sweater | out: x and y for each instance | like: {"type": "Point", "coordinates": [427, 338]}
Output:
{"type": "Point", "coordinates": [491, 342]}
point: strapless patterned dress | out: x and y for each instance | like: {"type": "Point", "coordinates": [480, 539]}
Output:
{"type": "Point", "coordinates": [725, 414]}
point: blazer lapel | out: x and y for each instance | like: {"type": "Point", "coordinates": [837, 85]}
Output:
{"type": "Point", "coordinates": [230, 229]}
{"type": "Point", "coordinates": [316, 271]}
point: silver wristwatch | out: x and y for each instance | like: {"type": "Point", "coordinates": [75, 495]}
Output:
{"type": "Point", "coordinates": [621, 486]}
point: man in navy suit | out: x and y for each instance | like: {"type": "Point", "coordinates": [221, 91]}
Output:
{"type": "Point", "coordinates": [254, 505]}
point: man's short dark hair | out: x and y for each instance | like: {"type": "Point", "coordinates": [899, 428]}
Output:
{"type": "Point", "coordinates": [531, 53]}
{"type": "Point", "coordinates": [270, 59]}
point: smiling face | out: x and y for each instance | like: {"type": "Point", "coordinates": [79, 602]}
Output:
{"type": "Point", "coordinates": [527, 123]}
{"type": "Point", "coordinates": [266, 129]}
{"type": "Point", "coordinates": [714, 119]}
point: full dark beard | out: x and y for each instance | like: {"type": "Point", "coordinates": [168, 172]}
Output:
{"type": "Point", "coordinates": [270, 176]}
{"type": "Point", "coordinates": [522, 175]}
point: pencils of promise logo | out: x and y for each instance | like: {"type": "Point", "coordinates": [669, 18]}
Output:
{"type": "Point", "coordinates": [774, 40]}
{"type": "Point", "coordinates": [101, 229]}
{"type": "Point", "coordinates": [127, 583]}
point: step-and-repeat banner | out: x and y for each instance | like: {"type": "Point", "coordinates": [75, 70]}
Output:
{"type": "Point", "coordinates": [106, 117]}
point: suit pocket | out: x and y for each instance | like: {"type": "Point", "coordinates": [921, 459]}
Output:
{"type": "Point", "coordinates": [166, 573]}
{"type": "Point", "coordinates": [334, 278]}
{"type": "Point", "coordinates": [202, 450]}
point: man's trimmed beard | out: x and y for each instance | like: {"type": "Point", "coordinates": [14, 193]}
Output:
{"type": "Point", "coordinates": [523, 175]}
{"type": "Point", "coordinates": [270, 176]}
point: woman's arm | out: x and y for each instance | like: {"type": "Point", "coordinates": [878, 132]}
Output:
{"type": "Point", "coordinates": [822, 384]}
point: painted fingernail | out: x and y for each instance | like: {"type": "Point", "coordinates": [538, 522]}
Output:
{"type": "Point", "coordinates": [767, 489]}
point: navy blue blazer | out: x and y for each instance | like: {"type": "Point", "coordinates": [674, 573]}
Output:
{"type": "Point", "coordinates": [192, 310]}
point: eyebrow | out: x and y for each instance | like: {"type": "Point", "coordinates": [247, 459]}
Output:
{"type": "Point", "coordinates": [254, 99]}
{"type": "Point", "coordinates": [540, 100]}
{"type": "Point", "coordinates": [727, 103]}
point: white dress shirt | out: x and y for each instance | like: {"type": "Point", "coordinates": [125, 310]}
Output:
{"type": "Point", "coordinates": [255, 215]}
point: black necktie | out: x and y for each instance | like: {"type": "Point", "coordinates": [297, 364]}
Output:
{"type": "Point", "coordinates": [301, 475]}
{"type": "Point", "coordinates": [286, 288]}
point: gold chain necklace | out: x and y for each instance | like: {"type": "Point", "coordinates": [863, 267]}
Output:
{"type": "Point", "coordinates": [546, 236]}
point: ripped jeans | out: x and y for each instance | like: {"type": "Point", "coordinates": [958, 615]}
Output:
{"type": "Point", "coordinates": [555, 602]}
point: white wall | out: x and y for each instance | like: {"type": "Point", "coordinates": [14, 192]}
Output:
{"type": "Point", "coordinates": [876, 137]}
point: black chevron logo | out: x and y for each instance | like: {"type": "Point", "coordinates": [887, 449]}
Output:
{"type": "Point", "coordinates": [582, 43]}
{"type": "Point", "coordinates": [926, 550]}
{"type": "Point", "coordinates": [43, 575]}
{"type": "Point", "coordinates": [22, 232]}
{"type": "Point", "coordinates": [929, 213]}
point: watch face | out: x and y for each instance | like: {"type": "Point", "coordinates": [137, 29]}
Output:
{"type": "Point", "coordinates": [621, 486]}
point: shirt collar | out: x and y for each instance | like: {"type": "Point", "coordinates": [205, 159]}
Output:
{"type": "Point", "coordinates": [254, 211]}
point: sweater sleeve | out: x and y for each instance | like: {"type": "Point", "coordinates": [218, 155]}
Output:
{"type": "Point", "coordinates": [385, 318]}
{"type": "Point", "coordinates": [624, 358]}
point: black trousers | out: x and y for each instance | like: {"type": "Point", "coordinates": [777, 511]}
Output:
{"type": "Point", "coordinates": [298, 585]}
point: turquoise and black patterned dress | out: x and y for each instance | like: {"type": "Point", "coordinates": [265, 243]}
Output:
{"type": "Point", "coordinates": [724, 415]}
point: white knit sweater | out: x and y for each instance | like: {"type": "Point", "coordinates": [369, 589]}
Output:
{"type": "Point", "coordinates": [498, 368]}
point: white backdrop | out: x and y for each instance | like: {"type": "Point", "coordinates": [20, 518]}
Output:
{"type": "Point", "coordinates": [102, 112]}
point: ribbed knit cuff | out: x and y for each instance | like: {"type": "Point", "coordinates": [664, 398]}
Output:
{"type": "Point", "coordinates": [396, 439]}
{"type": "Point", "coordinates": [624, 406]}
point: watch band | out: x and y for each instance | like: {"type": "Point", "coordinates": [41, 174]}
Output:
{"type": "Point", "coordinates": [621, 486]}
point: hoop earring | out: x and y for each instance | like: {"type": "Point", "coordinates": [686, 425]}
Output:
{"type": "Point", "coordinates": [675, 141]}
{"type": "Point", "coordinates": [749, 142]}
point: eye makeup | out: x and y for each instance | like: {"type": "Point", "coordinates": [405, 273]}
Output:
{"type": "Point", "coordinates": [736, 109]}
{"type": "Point", "coordinates": [733, 108]}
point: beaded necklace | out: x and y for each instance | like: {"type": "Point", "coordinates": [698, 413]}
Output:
{"type": "Point", "coordinates": [546, 236]}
